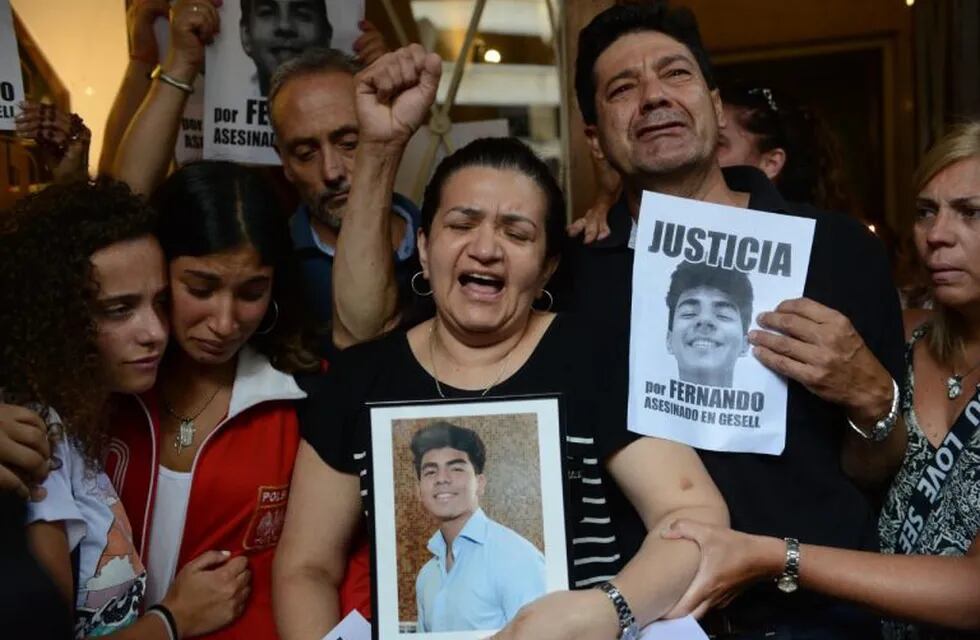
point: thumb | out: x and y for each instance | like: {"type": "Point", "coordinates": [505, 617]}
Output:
{"type": "Point", "coordinates": [431, 69]}
{"type": "Point", "coordinates": [208, 560]}
{"type": "Point", "coordinates": [684, 530]}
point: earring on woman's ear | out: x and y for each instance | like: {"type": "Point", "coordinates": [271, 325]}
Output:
{"type": "Point", "coordinates": [415, 288]}
{"type": "Point", "coordinates": [551, 300]}
{"type": "Point", "coordinates": [272, 325]}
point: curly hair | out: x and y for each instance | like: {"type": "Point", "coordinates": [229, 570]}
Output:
{"type": "Point", "coordinates": [48, 351]}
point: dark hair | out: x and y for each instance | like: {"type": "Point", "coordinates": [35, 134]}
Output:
{"type": "Point", "coordinates": [619, 20]}
{"type": "Point", "coordinates": [311, 61]}
{"type": "Point", "coordinates": [732, 282]}
{"type": "Point", "coordinates": [813, 172]}
{"type": "Point", "coordinates": [211, 207]}
{"type": "Point", "coordinates": [48, 351]}
{"type": "Point", "coordinates": [502, 153]}
{"type": "Point", "coordinates": [439, 435]}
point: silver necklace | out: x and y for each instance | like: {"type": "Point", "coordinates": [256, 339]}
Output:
{"type": "Point", "coordinates": [435, 373]}
{"type": "Point", "coordinates": [954, 383]}
{"type": "Point", "coordinates": [187, 429]}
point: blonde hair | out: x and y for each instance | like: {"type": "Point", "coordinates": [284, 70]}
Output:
{"type": "Point", "coordinates": [961, 142]}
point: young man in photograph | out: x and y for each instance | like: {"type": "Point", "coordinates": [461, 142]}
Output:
{"type": "Point", "coordinates": [481, 572]}
{"type": "Point", "coordinates": [274, 31]}
{"type": "Point", "coordinates": [709, 313]}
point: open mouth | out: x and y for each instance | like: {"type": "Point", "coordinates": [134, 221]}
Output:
{"type": "Point", "coordinates": [481, 283]}
{"type": "Point", "coordinates": [444, 496]}
{"type": "Point", "coordinates": [282, 54]}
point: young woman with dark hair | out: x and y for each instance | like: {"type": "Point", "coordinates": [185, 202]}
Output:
{"type": "Point", "coordinates": [204, 460]}
{"type": "Point", "coordinates": [82, 318]}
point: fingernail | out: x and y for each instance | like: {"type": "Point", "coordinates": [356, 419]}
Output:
{"type": "Point", "coordinates": [38, 493]}
{"type": "Point", "coordinates": [54, 463]}
{"type": "Point", "coordinates": [225, 553]}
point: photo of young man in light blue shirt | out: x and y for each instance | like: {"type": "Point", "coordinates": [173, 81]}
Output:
{"type": "Point", "coordinates": [481, 572]}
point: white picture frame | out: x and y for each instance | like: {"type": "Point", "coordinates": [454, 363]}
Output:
{"type": "Point", "coordinates": [529, 423]}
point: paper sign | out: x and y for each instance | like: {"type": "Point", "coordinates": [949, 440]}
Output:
{"type": "Point", "coordinates": [353, 627]}
{"type": "Point", "coordinates": [701, 274]}
{"type": "Point", "coordinates": [241, 60]}
{"type": "Point", "coordinates": [685, 628]}
{"type": "Point", "coordinates": [11, 80]}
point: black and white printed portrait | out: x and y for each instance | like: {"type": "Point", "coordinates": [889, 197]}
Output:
{"type": "Point", "coordinates": [709, 314]}
{"type": "Point", "coordinates": [274, 31]}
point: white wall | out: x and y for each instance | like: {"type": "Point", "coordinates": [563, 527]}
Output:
{"type": "Point", "coordinates": [85, 42]}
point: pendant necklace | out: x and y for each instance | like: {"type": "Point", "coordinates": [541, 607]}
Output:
{"type": "Point", "coordinates": [187, 429]}
{"type": "Point", "coordinates": [435, 373]}
{"type": "Point", "coordinates": [954, 383]}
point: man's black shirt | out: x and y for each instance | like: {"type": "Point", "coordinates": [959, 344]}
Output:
{"type": "Point", "coordinates": [803, 492]}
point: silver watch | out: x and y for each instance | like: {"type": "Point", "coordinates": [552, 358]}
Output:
{"type": "Point", "coordinates": [628, 630]}
{"type": "Point", "coordinates": [883, 427]}
{"type": "Point", "coordinates": [789, 580]}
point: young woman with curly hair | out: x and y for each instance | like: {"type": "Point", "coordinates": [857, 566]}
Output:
{"type": "Point", "coordinates": [83, 291]}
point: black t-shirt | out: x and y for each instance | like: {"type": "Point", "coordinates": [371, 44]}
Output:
{"type": "Point", "coordinates": [335, 422]}
{"type": "Point", "coordinates": [803, 492]}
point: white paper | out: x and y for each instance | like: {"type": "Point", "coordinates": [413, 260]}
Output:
{"type": "Point", "coordinates": [685, 628]}
{"type": "Point", "coordinates": [189, 146]}
{"type": "Point", "coordinates": [353, 627]}
{"type": "Point", "coordinates": [11, 80]}
{"type": "Point", "coordinates": [236, 114]}
{"type": "Point", "coordinates": [411, 169]}
{"type": "Point", "coordinates": [698, 382]}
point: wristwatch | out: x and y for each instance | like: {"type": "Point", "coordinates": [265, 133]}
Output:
{"type": "Point", "coordinates": [789, 580]}
{"type": "Point", "coordinates": [628, 630]}
{"type": "Point", "coordinates": [883, 427]}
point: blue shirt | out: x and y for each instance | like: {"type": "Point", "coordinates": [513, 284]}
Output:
{"type": "Point", "coordinates": [495, 572]}
{"type": "Point", "coordinates": [316, 258]}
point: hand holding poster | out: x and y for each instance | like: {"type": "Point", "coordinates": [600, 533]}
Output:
{"type": "Point", "coordinates": [244, 56]}
{"type": "Point", "coordinates": [11, 81]}
{"type": "Point", "coordinates": [701, 274]}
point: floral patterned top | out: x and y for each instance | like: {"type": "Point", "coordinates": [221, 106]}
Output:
{"type": "Point", "coordinates": [954, 521]}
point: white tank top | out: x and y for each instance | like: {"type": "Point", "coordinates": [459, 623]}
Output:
{"type": "Point", "coordinates": [166, 530]}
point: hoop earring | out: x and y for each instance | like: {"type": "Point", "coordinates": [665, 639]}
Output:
{"type": "Point", "coordinates": [551, 300]}
{"type": "Point", "coordinates": [275, 319]}
{"type": "Point", "coordinates": [415, 288]}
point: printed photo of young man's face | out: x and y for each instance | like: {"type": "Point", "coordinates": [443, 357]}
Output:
{"type": "Point", "coordinates": [449, 487]}
{"type": "Point", "coordinates": [707, 336]}
{"type": "Point", "coordinates": [274, 31]}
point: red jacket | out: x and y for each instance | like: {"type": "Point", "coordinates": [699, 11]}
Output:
{"type": "Point", "coordinates": [239, 486]}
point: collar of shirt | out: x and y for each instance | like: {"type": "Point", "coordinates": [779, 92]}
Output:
{"type": "Point", "coordinates": [475, 530]}
{"type": "Point", "coordinates": [763, 196]}
{"type": "Point", "coordinates": [305, 236]}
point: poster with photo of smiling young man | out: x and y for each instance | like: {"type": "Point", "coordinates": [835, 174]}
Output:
{"type": "Point", "coordinates": [256, 37]}
{"type": "Point", "coordinates": [700, 276]}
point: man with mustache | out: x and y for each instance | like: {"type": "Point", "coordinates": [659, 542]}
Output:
{"type": "Point", "coordinates": [481, 572]}
{"type": "Point", "coordinates": [709, 313]}
{"type": "Point", "coordinates": [274, 31]}
{"type": "Point", "coordinates": [647, 94]}
{"type": "Point", "coordinates": [311, 104]}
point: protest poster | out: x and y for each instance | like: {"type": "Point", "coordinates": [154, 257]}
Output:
{"type": "Point", "coordinates": [244, 55]}
{"type": "Point", "coordinates": [11, 80]}
{"type": "Point", "coordinates": [701, 274]}
{"type": "Point", "coordinates": [504, 469]}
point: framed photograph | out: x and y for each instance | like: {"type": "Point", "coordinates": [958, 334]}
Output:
{"type": "Point", "coordinates": [468, 514]}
